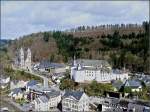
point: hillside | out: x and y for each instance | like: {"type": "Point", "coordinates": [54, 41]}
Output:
{"type": "Point", "coordinates": [120, 46]}
{"type": "Point", "coordinates": [100, 31]}
{"type": "Point", "coordinates": [4, 43]}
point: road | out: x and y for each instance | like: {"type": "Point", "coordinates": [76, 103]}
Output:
{"type": "Point", "coordinates": [4, 102]}
{"type": "Point", "coordinates": [45, 79]}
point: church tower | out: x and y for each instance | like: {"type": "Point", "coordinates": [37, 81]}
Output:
{"type": "Point", "coordinates": [74, 62]}
{"type": "Point", "coordinates": [28, 60]}
{"type": "Point", "coordinates": [22, 58]}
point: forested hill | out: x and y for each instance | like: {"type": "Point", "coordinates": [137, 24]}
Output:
{"type": "Point", "coordinates": [95, 31]}
{"type": "Point", "coordinates": [124, 45]}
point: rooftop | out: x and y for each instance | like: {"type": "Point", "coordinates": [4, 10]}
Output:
{"type": "Point", "coordinates": [32, 83]}
{"type": "Point", "coordinates": [117, 84]}
{"type": "Point", "coordinates": [124, 102]}
{"type": "Point", "coordinates": [87, 62]}
{"type": "Point", "coordinates": [17, 90]}
{"type": "Point", "coordinates": [132, 83]}
{"type": "Point", "coordinates": [48, 64]}
{"type": "Point", "coordinates": [41, 99]}
{"type": "Point", "coordinates": [52, 94]}
{"type": "Point", "coordinates": [40, 88]}
{"type": "Point", "coordinates": [76, 94]}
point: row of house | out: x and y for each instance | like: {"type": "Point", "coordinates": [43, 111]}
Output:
{"type": "Point", "coordinates": [134, 85]}
{"type": "Point", "coordinates": [122, 105]}
{"type": "Point", "coordinates": [70, 101]}
{"type": "Point", "coordinates": [45, 98]}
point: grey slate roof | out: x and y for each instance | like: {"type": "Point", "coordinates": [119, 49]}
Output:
{"type": "Point", "coordinates": [117, 84]}
{"type": "Point", "coordinates": [41, 99]}
{"type": "Point", "coordinates": [76, 94]}
{"type": "Point", "coordinates": [132, 83]}
{"type": "Point", "coordinates": [52, 94]}
{"type": "Point", "coordinates": [37, 88]}
{"type": "Point", "coordinates": [32, 83]}
{"type": "Point", "coordinates": [17, 90]}
{"type": "Point", "coordinates": [124, 102]}
{"type": "Point", "coordinates": [48, 91]}
{"type": "Point", "coordinates": [48, 64]}
{"type": "Point", "coordinates": [117, 71]}
{"type": "Point", "coordinates": [87, 62]}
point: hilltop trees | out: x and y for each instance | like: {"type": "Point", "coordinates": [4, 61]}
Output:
{"type": "Point", "coordinates": [120, 44]}
{"type": "Point", "coordinates": [65, 44]}
{"type": "Point", "coordinates": [46, 37]}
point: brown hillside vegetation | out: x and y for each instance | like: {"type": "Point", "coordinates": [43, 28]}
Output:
{"type": "Point", "coordinates": [45, 50]}
{"type": "Point", "coordinates": [40, 49]}
{"type": "Point", "coordinates": [100, 32]}
{"type": "Point", "coordinates": [126, 46]}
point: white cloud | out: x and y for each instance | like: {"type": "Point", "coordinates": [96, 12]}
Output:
{"type": "Point", "coordinates": [24, 17]}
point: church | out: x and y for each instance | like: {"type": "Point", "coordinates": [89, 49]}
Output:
{"type": "Point", "coordinates": [23, 63]}
{"type": "Point", "coordinates": [85, 71]}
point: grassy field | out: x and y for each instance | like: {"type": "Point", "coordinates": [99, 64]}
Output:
{"type": "Point", "coordinates": [21, 75]}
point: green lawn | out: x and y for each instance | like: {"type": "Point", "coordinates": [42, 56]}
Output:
{"type": "Point", "coordinates": [21, 75]}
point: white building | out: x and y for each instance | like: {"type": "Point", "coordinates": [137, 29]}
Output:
{"type": "Point", "coordinates": [84, 71]}
{"type": "Point", "coordinates": [75, 101]}
{"type": "Point", "coordinates": [45, 97]}
{"type": "Point", "coordinates": [16, 93]}
{"type": "Point", "coordinates": [54, 98]}
{"type": "Point", "coordinates": [41, 104]}
{"type": "Point", "coordinates": [17, 84]}
{"type": "Point", "coordinates": [4, 81]}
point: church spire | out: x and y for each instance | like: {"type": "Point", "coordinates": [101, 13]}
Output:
{"type": "Point", "coordinates": [74, 61]}
{"type": "Point", "coordinates": [22, 58]}
{"type": "Point", "coordinates": [28, 59]}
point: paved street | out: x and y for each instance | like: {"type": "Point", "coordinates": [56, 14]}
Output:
{"type": "Point", "coordinates": [8, 104]}
{"type": "Point", "coordinates": [45, 79]}
{"type": "Point", "coordinates": [13, 105]}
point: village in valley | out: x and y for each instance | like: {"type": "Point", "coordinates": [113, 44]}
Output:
{"type": "Point", "coordinates": [87, 56]}
{"type": "Point", "coordinates": [49, 94]}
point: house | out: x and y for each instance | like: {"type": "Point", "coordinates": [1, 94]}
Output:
{"type": "Point", "coordinates": [139, 106]}
{"type": "Point", "coordinates": [75, 101]}
{"type": "Point", "coordinates": [135, 85]}
{"type": "Point", "coordinates": [16, 93]}
{"type": "Point", "coordinates": [35, 91]}
{"type": "Point", "coordinates": [47, 66]}
{"type": "Point", "coordinates": [4, 81]}
{"type": "Point", "coordinates": [45, 97]}
{"type": "Point", "coordinates": [39, 90]}
{"type": "Point", "coordinates": [41, 104]}
{"type": "Point", "coordinates": [17, 84]}
{"type": "Point", "coordinates": [54, 98]}
{"type": "Point", "coordinates": [146, 80]}
{"type": "Point", "coordinates": [30, 84]}
{"type": "Point", "coordinates": [85, 71]}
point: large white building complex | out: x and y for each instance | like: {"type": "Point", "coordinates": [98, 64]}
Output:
{"type": "Point", "coordinates": [85, 71]}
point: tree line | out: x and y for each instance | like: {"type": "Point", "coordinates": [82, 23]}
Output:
{"type": "Point", "coordinates": [132, 50]}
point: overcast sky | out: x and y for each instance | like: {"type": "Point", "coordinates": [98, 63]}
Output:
{"type": "Point", "coordinates": [19, 18]}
